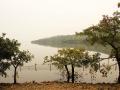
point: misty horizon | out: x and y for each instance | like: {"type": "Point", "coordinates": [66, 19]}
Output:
{"type": "Point", "coordinates": [28, 20]}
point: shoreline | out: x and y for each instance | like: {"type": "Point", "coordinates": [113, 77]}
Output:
{"type": "Point", "coordinates": [59, 86]}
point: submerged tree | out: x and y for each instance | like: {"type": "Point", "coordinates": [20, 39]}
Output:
{"type": "Point", "coordinates": [107, 32]}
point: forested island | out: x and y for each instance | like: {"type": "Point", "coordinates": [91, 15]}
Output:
{"type": "Point", "coordinates": [71, 41]}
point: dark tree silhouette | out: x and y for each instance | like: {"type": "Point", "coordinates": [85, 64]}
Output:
{"type": "Point", "coordinates": [10, 54]}
{"type": "Point", "coordinates": [7, 49]}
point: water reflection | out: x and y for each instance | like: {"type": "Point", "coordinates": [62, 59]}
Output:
{"type": "Point", "coordinates": [36, 71]}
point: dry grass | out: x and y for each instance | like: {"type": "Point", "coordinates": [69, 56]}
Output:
{"type": "Point", "coordinates": [59, 86]}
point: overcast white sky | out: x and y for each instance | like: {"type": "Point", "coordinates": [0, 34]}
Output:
{"type": "Point", "coordinates": [34, 19]}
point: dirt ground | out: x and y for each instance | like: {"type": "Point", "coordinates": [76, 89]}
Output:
{"type": "Point", "coordinates": [59, 86]}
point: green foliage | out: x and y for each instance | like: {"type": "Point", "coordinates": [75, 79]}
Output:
{"type": "Point", "coordinates": [106, 32]}
{"type": "Point", "coordinates": [7, 49]}
{"type": "Point", "coordinates": [10, 54]}
{"type": "Point", "coordinates": [21, 57]}
{"type": "Point", "coordinates": [3, 67]}
{"type": "Point", "coordinates": [18, 59]}
{"type": "Point", "coordinates": [74, 57]}
{"type": "Point", "coordinates": [66, 56]}
{"type": "Point", "coordinates": [72, 41]}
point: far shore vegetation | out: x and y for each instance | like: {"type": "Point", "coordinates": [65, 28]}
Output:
{"type": "Point", "coordinates": [72, 41]}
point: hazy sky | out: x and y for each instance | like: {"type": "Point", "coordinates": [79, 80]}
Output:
{"type": "Point", "coordinates": [34, 19]}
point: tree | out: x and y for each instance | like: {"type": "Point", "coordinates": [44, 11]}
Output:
{"type": "Point", "coordinates": [60, 62]}
{"type": "Point", "coordinates": [7, 49]}
{"type": "Point", "coordinates": [18, 59]}
{"type": "Point", "coordinates": [10, 54]}
{"type": "Point", "coordinates": [106, 32]}
{"type": "Point", "coordinates": [73, 57]}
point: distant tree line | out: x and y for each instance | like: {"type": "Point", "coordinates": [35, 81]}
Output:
{"type": "Point", "coordinates": [71, 41]}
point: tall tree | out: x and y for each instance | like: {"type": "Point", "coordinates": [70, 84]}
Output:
{"type": "Point", "coordinates": [107, 32]}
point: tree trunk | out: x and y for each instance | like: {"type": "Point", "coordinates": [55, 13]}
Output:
{"type": "Point", "coordinates": [119, 71]}
{"type": "Point", "coordinates": [68, 74]}
{"type": "Point", "coordinates": [15, 73]}
{"type": "Point", "coordinates": [118, 61]}
{"type": "Point", "coordinates": [73, 74]}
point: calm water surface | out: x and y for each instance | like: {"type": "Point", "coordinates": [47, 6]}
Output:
{"type": "Point", "coordinates": [42, 72]}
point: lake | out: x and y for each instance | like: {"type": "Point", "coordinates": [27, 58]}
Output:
{"type": "Point", "coordinates": [41, 72]}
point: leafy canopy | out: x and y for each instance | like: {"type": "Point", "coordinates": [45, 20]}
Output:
{"type": "Point", "coordinates": [74, 56]}
{"type": "Point", "coordinates": [7, 50]}
{"type": "Point", "coordinates": [106, 32]}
